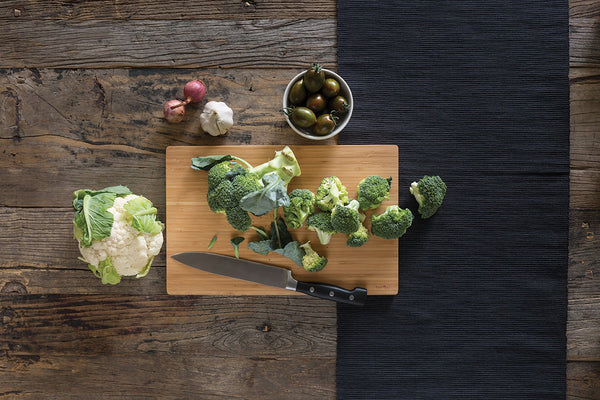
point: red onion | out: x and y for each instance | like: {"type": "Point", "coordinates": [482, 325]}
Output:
{"type": "Point", "coordinates": [174, 111]}
{"type": "Point", "coordinates": [194, 91]}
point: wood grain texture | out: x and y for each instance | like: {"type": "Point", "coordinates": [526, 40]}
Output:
{"type": "Point", "coordinates": [191, 225]}
{"type": "Point", "coordinates": [269, 43]}
{"type": "Point", "coordinates": [584, 43]}
{"type": "Point", "coordinates": [63, 347]}
{"type": "Point", "coordinates": [584, 286]}
{"type": "Point", "coordinates": [583, 380]}
{"type": "Point", "coordinates": [175, 10]}
{"type": "Point", "coordinates": [584, 9]}
{"type": "Point", "coordinates": [585, 138]}
{"type": "Point", "coordinates": [61, 130]}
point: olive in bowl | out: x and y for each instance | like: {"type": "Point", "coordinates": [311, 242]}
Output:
{"type": "Point", "coordinates": [317, 103]}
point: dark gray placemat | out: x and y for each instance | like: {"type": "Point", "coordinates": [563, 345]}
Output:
{"type": "Point", "coordinates": [476, 92]}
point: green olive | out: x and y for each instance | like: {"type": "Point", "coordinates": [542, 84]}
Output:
{"type": "Point", "coordinates": [316, 102]}
{"type": "Point", "coordinates": [331, 88]}
{"type": "Point", "coordinates": [314, 78]}
{"type": "Point", "coordinates": [297, 93]}
{"type": "Point", "coordinates": [303, 117]}
{"type": "Point", "coordinates": [339, 104]}
{"type": "Point", "coordinates": [324, 125]}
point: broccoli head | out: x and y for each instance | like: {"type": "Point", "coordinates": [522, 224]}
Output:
{"type": "Point", "coordinates": [346, 219]}
{"type": "Point", "coordinates": [429, 193]}
{"type": "Point", "coordinates": [220, 198]}
{"type": "Point", "coordinates": [330, 193]}
{"type": "Point", "coordinates": [302, 204]}
{"type": "Point", "coordinates": [312, 261]}
{"type": "Point", "coordinates": [358, 238]}
{"type": "Point", "coordinates": [243, 185]}
{"type": "Point", "coordinates": [372, 191]}
{"type": "Point", "coordinates": [392, 223]}
{"type": "Point", "coordinates": [238, 218]}
{"type": "Point", "coordinates": [225, 198]}
{"type": "Point", "coordinates": [321, 223]}
{"type": "Point", "coordinates": [224, 170]}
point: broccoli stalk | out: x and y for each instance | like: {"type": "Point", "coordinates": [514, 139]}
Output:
{"type": "Point", "coordinates": [321, 224]}
{"type": "Point", "coordinates": [346, 219]}
{"type": "Point", "coordinates": [429, 193]}
{"type": "Point", "coordinates": [312, 261]}
{"type": "Point", "coordinates": [392, 223]}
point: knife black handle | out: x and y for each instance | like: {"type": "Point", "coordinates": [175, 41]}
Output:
{"type": "Point", "coordinates": [356, 296]}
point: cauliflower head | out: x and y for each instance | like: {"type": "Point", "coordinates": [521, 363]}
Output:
{"type": "Point", "coordinates": [129, 247]}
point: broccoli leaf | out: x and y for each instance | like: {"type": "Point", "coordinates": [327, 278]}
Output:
{"type": "Point", "coordinates": [143, 215]}
{"type": "Point", "coordinates": [293, 251]}
{"type": "Point", "coordinates": [280, 236]}
{"type": "Point", "coordinates": [280, 242]}
{"type": "Point", "coordinates": [271, 196]}
{"type": "Point", "coordinates": [212, 242]}
{"type": "Point", "coordinates": [261, 232]}
{"type": "Point", "coordinates": [261, 247]}
{"type": "Point", "coordinates": [235, 242]}
{"type": "Point", "coordinates": [207, 162]}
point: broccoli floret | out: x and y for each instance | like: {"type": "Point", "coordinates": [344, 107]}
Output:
{"type": "Point", "coordinates": [429, 193]}
{"type": "Point", "coordinates": [392, 223]}
{"type": "Point", "coordinates": [225, 198]}
{"type": "Point", "coordinates": [346, 219]}
{"type": "Point", "coordinates": [302, 204]}
{"type": "Point", "coordinates": [358, 238]}
{"type": "Point", "coordinates": [330, 193]}
{"type": "Point", "coordinates": [238, 218]}
{"type": "Point", "coordinates": [220, 198]}
{"type": "Point", "coordinates": [284, 163]}
{"type": "Point", "coordinates": [312, 261]}
{"type": "Point", "coordinates": [224, 170]}
{"type": "Point", "coordinates": [321, 223]}
{"type": "Point", "coordinates": [244, 184]}
{"type": "Point", "coordinates": [372, 191]}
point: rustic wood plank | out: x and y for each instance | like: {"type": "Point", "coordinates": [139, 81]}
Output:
{"type": "Point", "coordinates": [584, 286]}
{"type": "Point", "coordinates": [585, 137]}
{"type": "Point", "coordinates": [583, 380]}
{"type": "Point", "coordinates": [270, 43]}
{"type": "Point", "coordinates": [584, 9]}
{"type": "Point", "coordinates": [39, 256]}
{"type": "Point", "coordinates": [167, 347]}
{"type": "Point", "coordinates": [173, 10]}
{"type": "Point", "coordinates": [584, 45]}
{"type": "Point", "coordinates": [61, 130]}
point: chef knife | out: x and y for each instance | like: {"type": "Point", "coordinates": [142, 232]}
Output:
{"type": "Point", "coordinates": [268, 275]}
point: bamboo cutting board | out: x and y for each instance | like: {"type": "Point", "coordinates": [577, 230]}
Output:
{"type": "Point", "coordinates": [191, 225]}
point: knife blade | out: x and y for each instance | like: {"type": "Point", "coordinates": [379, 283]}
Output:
{"type": "Point", "coordinates": [267, 275]}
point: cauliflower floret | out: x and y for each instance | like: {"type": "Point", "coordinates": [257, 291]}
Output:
{"type": "Point", "coordinates": [129, 250]}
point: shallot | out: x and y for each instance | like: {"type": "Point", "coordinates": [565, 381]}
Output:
{"type": "Point", "coordinates": [194, 91]}
{"type": "Point", "coordinates": [174, 111]}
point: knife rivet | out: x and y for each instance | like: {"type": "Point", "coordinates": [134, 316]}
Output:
{"type": "Point", "coordinates": [311, 289]}
{"type": "Point", "coordinates": [351, 297]}
{"type": "Point", "coordinates": [331, 294]}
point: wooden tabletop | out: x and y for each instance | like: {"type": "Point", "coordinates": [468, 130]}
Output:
{"type": "Point", "coordinates": [81, 92]}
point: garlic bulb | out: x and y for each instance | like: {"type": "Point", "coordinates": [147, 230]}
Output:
{"type": "Point", "coordinates": [216, 118]}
